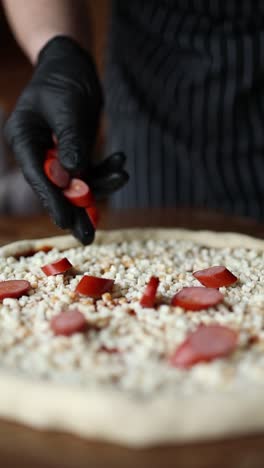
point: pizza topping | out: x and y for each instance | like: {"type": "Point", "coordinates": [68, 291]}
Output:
{"type": "Point", "coordinates": [54, 139]}
{"type": "Point", "coordinates": [93, 214]}
{"type": "Point", "coordinates": [197, 298]}
{"type": "Point", "coordinates": [131, 312]}
{"type": "Point", "coordinates": [31, 252]}
{"type": "Point", "coordinates": [143, 339]}
{"type": "Point", "coordinates": [51, 153]}
{"type": "Point", "coordinates": [252, 340]}
{"type": "Point", "coordinates": [79, 193]}
{"type": "Point", "coordinates": [149, 296]}
{"type": "Point", "coordinates": [215, 277]}
{"type": "Point", "coordinates": [56, 173]}
{"type": "Point", "coordinates": [94, 287]}
{"type": "Point", "coordinates": [205, 344]}
{"type": "Point", "coordinates": [69, 322]}
{"type": "Point", "coordinates": [44, 248]}
{"type": "Point", "coordinates": [109, 350]}
{"type": "Point", "coordinates": [57, 268]}
{"type": "Point", "coordinates": [13, 288]}
{"type": "Point", "coordinates": [75, 190]}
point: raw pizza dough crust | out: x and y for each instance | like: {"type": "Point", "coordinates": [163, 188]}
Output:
{"type": "Point", "coordinates": [114, 416]}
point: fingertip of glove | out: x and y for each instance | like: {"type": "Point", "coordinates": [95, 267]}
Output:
{"type": "Point", "coordinates": [117, 159]}
{"type": "Point", "coordinates": [70, 159]}
{"type": "Point", "coordinates": [60, 220]}
{"type": "Point", "coordinates": [125, 176]}
{"type": "Point", "coordinates": [116, 180]}
{"type": "Point", "coordinates": [83, 229]}
{"type": "Point", "coordinates": [87, 237]}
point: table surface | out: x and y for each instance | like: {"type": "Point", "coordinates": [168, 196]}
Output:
{"type": "Point", "coordinates": [22, 447]}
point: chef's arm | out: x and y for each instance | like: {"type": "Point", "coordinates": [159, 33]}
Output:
{"type": "Point", "coordinates": [35, 22]}
{"type": "Point", "coordinates": [64, 98]}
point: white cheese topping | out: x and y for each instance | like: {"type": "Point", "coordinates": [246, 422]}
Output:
{"type": "Point", "coordinates": [128, 346]}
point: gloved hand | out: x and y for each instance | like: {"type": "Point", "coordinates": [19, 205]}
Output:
{"type": "Point", "coordinates": [64, 98]}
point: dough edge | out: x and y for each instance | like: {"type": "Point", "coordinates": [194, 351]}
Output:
{"type": "Point", "coordinates": [121, 418]}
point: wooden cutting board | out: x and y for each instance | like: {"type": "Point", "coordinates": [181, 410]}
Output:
{"type": "Point", "coordinates": [22, 447]}
{"type": "Point", "coordinates": [41, 226]}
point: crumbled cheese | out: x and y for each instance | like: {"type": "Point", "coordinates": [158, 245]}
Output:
{"type": "Point", "coordinates": [125, 345]}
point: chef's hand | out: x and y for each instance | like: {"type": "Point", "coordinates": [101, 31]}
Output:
{"type": "Point", "coordinates": [64, 97]}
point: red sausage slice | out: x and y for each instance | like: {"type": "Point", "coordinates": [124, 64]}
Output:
{"type": "Point", "coordinates": [149, 296]}
{"type": "Point", "coordinates": [54, 139]}
{"type": "Point", "coordinates": [215, 277]}
{"type": "Point", "coordinates": [205, 344]}
{"type": "Point", "coordinates": [56, 173]}
{"type": "Point", "coordinates": [13, 288]}
{"type": "Point", "coordinates": [197, 298]}
{"type": "Point", "coordinates": [94, 287]}
{"type": "Point", "coordinates": [79, 194]}
{"type": "Point", "coordinates": [31, 252]}
{"type": "Point", "coordinates": [51, 153]}
{"type": "Point", "coordinates": [58, 267]}
{"type": "Point", "coordinates": [68, 323]}
{"type": "Point", "coordinates": [93, 214]}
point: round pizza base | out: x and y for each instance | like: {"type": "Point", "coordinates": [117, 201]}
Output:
{"type": "Point", "coordinates": [115, 416]}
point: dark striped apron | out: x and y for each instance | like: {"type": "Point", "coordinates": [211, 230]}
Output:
{"type": "Point", "coordinates": [185, 101]}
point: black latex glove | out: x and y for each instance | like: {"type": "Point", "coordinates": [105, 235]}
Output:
{"type": "Point", "coordinates": [64, 97]}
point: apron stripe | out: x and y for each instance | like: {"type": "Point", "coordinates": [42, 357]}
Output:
{"type": "Point", "coordinates": [185, 102]}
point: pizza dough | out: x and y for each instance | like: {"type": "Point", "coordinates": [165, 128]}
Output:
{"type": "Point", "coordinates": [216, 399]}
